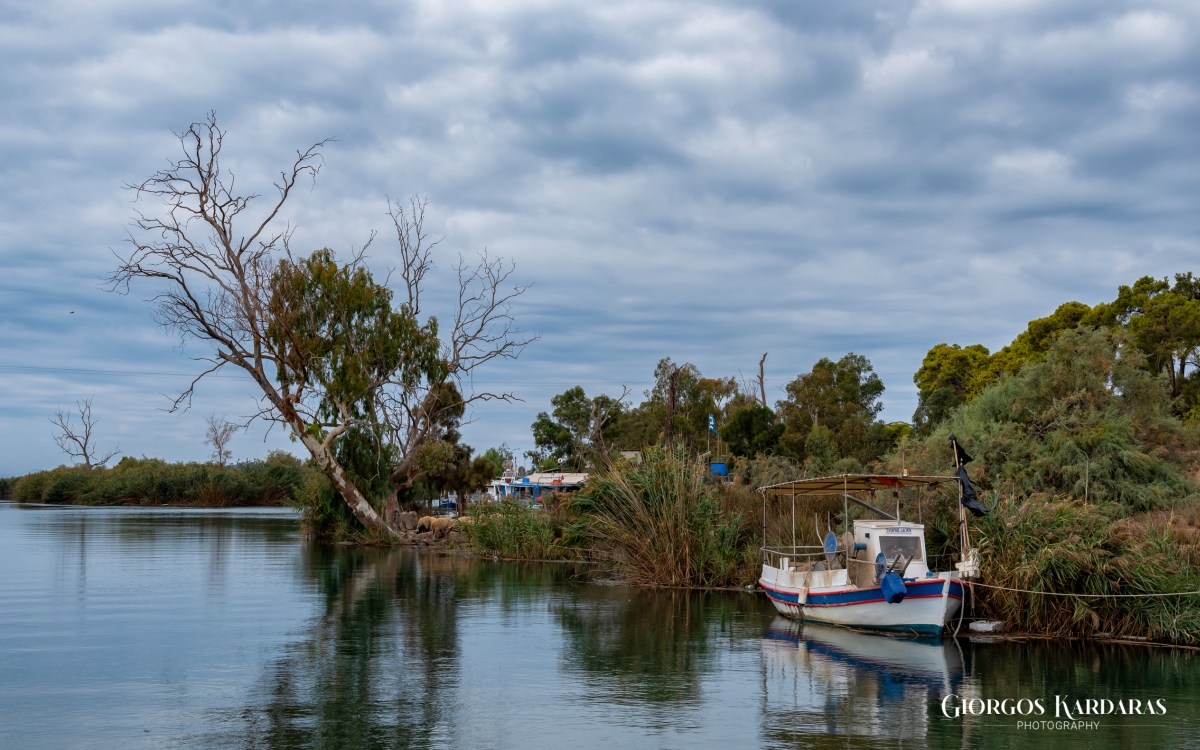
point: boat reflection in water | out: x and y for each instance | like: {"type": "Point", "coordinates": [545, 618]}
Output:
{"type": "Point", "coordinates": [822, 679]}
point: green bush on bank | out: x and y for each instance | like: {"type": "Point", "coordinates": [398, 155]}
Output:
{"type": "Point", "coordinates": [151, 481]}
{"type": "Point", "coordinates": [517, 531]}
{"type": "Point", "coordinates": [1077, 456]}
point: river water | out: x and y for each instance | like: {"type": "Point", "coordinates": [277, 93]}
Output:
{"type": "Point", "coordinates": [163, 627]}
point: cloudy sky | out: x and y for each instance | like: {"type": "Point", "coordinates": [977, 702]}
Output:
{"type": "Point", "coordinates": [701, 180]}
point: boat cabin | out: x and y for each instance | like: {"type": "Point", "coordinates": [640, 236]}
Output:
{"type": "Point", "coordinates": [891, 538]}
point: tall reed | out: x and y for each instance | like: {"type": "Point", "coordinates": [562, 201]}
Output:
{"type": "Point", "coordinates": [669, 522]}
{"type": "Point", "coordinates": [1064, 546]}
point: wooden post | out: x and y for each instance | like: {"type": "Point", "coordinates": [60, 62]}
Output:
{"type": "Point", "coordinates": [964, 537]}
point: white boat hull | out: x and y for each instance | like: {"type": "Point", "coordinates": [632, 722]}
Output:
{"type": "Point", "coordinates": [929, 604]}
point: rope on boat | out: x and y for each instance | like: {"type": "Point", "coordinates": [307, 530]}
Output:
{"type": "Point", "coordinates": [1086, 596]}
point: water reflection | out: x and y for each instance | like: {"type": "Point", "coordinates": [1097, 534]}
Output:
{"type": "Point", "coordinates": [141, 628]}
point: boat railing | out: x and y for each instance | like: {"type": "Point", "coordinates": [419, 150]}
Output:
{"type": "Point", "coordinates": [776, 556]}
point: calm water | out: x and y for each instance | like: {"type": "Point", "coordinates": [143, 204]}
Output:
{"type": "Point", "coordinates": [124, 628]}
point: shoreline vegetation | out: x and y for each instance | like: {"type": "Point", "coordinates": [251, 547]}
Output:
{"type": "Point", "coordinates": [1085, 433]}
{"type": "Point", "coordinates": [1085, 429]}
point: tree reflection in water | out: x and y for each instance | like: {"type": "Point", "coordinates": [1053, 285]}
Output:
{"type": "Point", "coordinates": [644, 645]}
{"type": "Point", "coordinates": [380, 667]}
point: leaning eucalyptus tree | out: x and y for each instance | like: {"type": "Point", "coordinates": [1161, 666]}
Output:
{"type": "Point", "coordinates": [322, 340]}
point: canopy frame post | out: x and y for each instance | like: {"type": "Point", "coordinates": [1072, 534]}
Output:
{"type": "Point", "coordinates": [845, 502]}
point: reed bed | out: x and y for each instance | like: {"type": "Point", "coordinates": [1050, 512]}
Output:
{"type": "Point", "coordinates": [1069, 547]}
{"type": "Point", "coordinates": [671, 526]}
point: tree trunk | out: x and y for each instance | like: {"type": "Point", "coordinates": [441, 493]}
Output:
{"type": "Point", "coordinates": [359, 506]}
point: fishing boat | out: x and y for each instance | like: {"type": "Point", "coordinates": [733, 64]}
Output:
{"type": "Point", "coordinates": [875, 575]}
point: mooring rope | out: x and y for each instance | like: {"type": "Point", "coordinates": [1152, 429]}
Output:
{"type": "Point", "coordinates": [1084, 596]}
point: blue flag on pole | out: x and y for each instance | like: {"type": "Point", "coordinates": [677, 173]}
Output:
{"type": "Point", "coordinates": [712, 424]}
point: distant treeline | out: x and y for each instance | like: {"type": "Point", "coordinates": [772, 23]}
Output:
{"type": "Point", "coordinates": [279, 480]}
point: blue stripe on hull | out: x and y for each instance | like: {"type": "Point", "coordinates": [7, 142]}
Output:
{"type": "Point", "coordinates": [921, 590]}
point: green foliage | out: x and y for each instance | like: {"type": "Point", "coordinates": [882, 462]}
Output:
{"type": "Point", "coordinates": [1162, 322]}
{"type": "Point", "coordinates": [496, 458]}
{"type": "Point", "coordinates": [150, 481]}
{"type": "Point", "coordinates": [334, 328]}
{"type": "Point", "coordinates": [950, 375]}
{"type": "Point", "coordinates": [695, 398]}
{"type": "Point", "coordinates": [1088, 420]}
{"type": "Point", "coordinates": [820, 451]}
{"type": "Point", "coordinates": [752, 430]}
{"type": "Point", "coordinates": [6, 486]}
{"type": "Point", "coordinates": [668, 522]}
{"type": "Point", "coordinates": [572, 436]}
{"type": "Point", "coordinates": [843, 396]}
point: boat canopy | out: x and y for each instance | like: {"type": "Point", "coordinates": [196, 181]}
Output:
{"type": "Point", "coordinates": [849, 483]}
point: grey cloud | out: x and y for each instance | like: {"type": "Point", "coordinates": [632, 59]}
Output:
{"type": "Point", "coordinates": [705, 181]}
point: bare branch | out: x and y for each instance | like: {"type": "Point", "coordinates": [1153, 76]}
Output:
{"type": "Point", "coordinates": [78, 442]}
{"type": "Point", "coordinates": [415, 246]}
{"type": "Point", "coordinates": [218, 435]}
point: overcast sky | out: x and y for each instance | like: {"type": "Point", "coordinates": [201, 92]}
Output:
{"type": "Point", "coordinates": [701, 180]}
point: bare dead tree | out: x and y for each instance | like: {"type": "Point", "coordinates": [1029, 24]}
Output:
{"type": "Point", "coordinates": [604, 408]}
{"type": "Point", "coordinates": [77, 442]}
{"type": "Point", "coordinates": [483, 329]}
{"type": "Point", "coordinates": [762, 380]}
{"type": "Point", "coordinates": [218, 435]}
{"type": "Point", "coordinates": [415, 246]}
{"type": "Point", "coordinates": [214, 262]}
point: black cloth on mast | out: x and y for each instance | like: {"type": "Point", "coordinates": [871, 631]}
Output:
{"type": "Point", "coordinates": [969, 499]}
{"type": "Point", "coordinates": [963, 458]}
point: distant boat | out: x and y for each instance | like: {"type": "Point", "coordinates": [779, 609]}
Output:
{"type": "Point", "coordinates": [875, 578]}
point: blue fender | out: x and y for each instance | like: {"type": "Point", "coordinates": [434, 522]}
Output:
{"type": "Point", "coordinates": [893, 588]}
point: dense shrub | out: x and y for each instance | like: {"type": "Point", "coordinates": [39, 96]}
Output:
{"type": "Point", "coordinates": [1088, 422]}
{"type": "Point", "coordinates": [150, 481]}
{"type": "Point", "coordinates": [517, 531]}
{"type": "Point", "coordinates": [1069, 547]}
